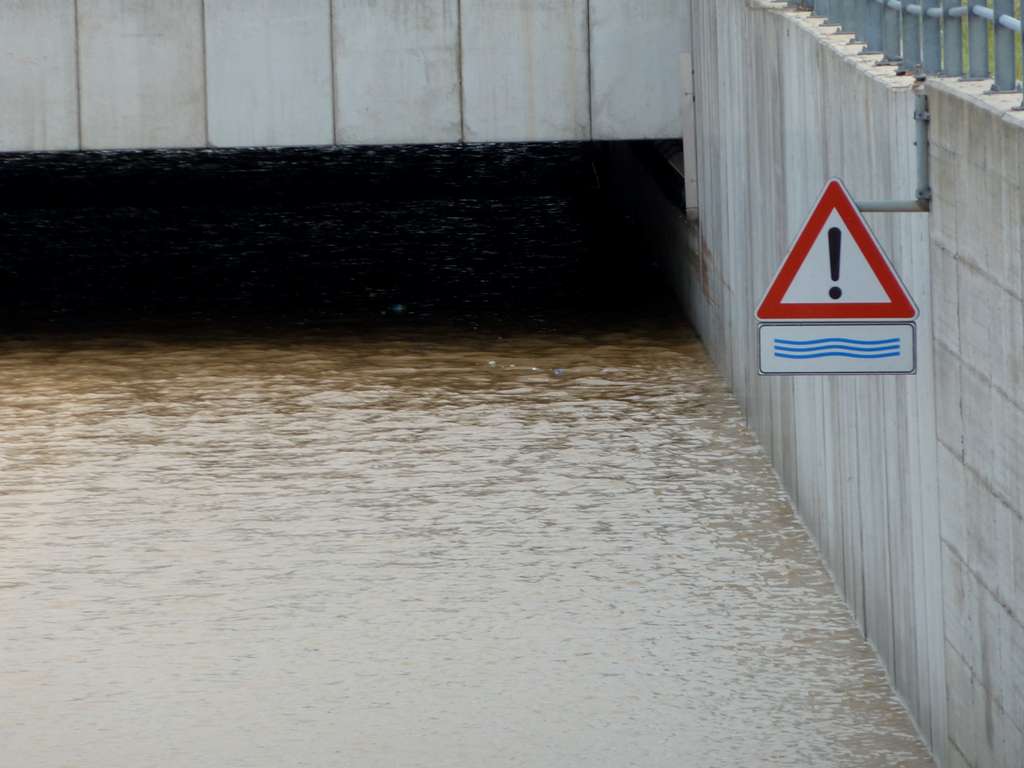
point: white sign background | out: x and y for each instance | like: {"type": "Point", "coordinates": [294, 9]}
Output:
{"type": "Point", "coordinates": [837, 348]}
{"type": "Point", "coordinates": [813, 280]}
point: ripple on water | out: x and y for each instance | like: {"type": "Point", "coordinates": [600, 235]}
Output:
{"type": "Point", "coordinates": [337, 550]}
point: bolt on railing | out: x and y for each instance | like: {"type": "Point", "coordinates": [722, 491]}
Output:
{"type": "Point", "coordinates": [927, 36]}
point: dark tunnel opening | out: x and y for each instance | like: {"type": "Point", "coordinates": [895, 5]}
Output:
{"type": "Point", "coordinates": [471, 235]}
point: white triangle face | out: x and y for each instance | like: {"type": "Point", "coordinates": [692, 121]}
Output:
{"type": "Point", "coordinates": [857, 283]}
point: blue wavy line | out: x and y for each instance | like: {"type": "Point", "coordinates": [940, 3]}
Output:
{"type": "Point", "coordinates": [841, 347]}
{"type": "Point", "coordinates": [837, 354]}
{"type": "Point", "coordinates": [837, 340]}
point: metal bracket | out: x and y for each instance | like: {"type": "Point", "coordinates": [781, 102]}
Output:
{"type": "Point", "coordinates": [923, 203]}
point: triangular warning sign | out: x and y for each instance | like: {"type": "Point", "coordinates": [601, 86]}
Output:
{"type": "Point", "coordinates": [836, 270]}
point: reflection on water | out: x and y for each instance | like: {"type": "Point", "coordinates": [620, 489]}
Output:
{"type": "Point", "coordinates": [432, 542]}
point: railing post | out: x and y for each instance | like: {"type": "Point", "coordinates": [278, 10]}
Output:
{"type": "Point", "coordinates": [931, 38]}
{"type": "Point", "coordinates": [840, 14]}
{"type": "Point", "coordinates": [1006, 61]}
{"type": "Point", "coordinates": [855, 18]}
{"type": "Point", "coordinates": [911, 39]}
{"type": "Point", "coordinates": [873, 26]}
{"type": "Point", "coordinates": [835, 12]}
{"type": "Point", "coordinates": [891, 34]}
{"type": "Point", "coordinates": [952, 40]}
{"type": "Point", "coordinates": [977, 40]}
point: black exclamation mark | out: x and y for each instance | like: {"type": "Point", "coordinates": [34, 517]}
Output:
{"type": "Point", "coordinates": [835, 247]}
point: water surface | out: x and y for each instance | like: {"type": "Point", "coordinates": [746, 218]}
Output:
{"type": "Point", "coordinates": [396, 458]}
{"type": "Point", "coordinates": [411, 549]}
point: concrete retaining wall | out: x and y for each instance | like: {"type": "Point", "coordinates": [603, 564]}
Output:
{"type": "Point", "coordinates": [99, 74]}
{"type": "Point", "coordinates": [870, 462]}
{"type": "Point", "coordinates": [37, 46]}
{"type": "Point", "coordinates": [141, 78]}
{"type": "Point", "coordinates": [525, 69]}
{"type": "Point", "coordinates": [631, 101]}
{"type": "Point", "coordinates": [269, 72]}
{"type": "Point", "coordinates": [978, 283]}
{"type": "Point", "coordinates": [400, 87]}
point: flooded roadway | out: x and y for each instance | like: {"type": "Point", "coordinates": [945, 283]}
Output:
{"type": "Point", "coordinates": [415, 543]}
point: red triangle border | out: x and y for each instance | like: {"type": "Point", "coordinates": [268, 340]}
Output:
{"type": "Point", "coordinates": [836, 198]}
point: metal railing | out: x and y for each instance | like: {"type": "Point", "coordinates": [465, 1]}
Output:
{"type": "Point", "coordinates": [928, 36]}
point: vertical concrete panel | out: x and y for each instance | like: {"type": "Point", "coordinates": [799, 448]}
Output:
{"type": "Point", "coordinates": [945, 296]}
{"type": "Point", "coordinates": [891, 454]}
{"type": "Point", "coordinates": [269, 78]}
{"type": "Point", "coordinates": [689, 133]}
{"type": "Point", "coordinates": [141, 65]}
{"type": "Point", "coordinates": [992, 329]}
{"type": "Point", "coordinates": [634, 47]}
{"type": "Point", "coordinates": [525, 71]}
{"type": "Point", "coordinates": [397, 71]}
{"type": "Point", "coordinates": [976, 237]}
{"type": "Point", "coordinates": [862, 462]}
{"type": "Point", "coordinates": [949, 409]}
{"type": "Point", "coordinates": [38, 81]}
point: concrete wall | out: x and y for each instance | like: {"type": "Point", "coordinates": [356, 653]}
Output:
{"type": "Point", "coordinates": [37, 46]}
{"type": "Point", "coordinates": [269, 72]}
{"type": "Point", "coordinates": [913, 487]}
{"type": "Point", "coordinates": [525, 72]}
{"type": "Point", "coordinates": [630, 101]}
{"type": "Point", "coordinates": [398, 71]}
{"type": "Point", "coordinates": [100, 74]}
{"type": "Point", "coordinates": [141, 74]}
{"type": "Point", "coordinates": [782, 110]}
{"type": "Point", "coordinates": [978, 280]}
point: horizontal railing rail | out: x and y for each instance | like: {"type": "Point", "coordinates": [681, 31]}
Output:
{"type": "Point", "coordinates": [929, 36]}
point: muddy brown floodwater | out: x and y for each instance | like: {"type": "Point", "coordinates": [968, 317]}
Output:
{"type": "Point", "coordinates": [411, 548]}
{"type": "Point", "coordinates": [435, 479]}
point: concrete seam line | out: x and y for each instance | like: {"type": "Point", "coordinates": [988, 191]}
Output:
{"type": "Point", "coordinates": [332, 44]}
{"type": "Point", "coordinates": [459, 65]}
{"type": "Point", "coordinates": [206, 72]}
{"type": "Point", "coordinates": [78, 73]}
{"type": "Point", "coordinates": [590, 74]}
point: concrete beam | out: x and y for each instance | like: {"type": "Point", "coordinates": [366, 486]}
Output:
{"type": "Point", "coordinates": [525, 73]}
{"type": "Point", "coordinates": [397, 67]}
{"type": "Point", "coordinates": [141, 65]}
{"type": "Point", "coordinates": [635, 51]}
{"type": "Point", "coordinates": [269, 78]}
{"type": "Point", "coordinates": [38, 80]}
{"type": "Point", "coordinates": [135, 74]}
